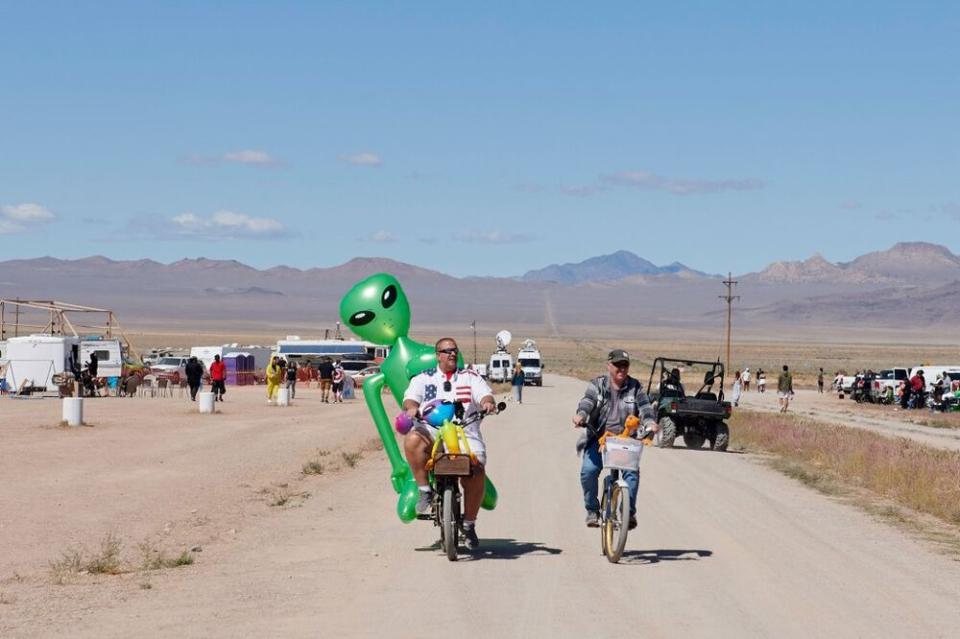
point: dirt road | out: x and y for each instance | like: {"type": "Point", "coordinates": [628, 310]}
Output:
{"type": "Point", "coordinates": [886, 420]}
{"type": "Point", "coordinates": [725, 548]}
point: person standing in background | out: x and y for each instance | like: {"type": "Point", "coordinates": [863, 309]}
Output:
{"type": "Point", "coordinates": [745, 380]}
{"type": "Point", "coordinates": [325, 369]}
{"type": "Point", "coordinates": [218, 378]}
{"type": "Point", "coordinates": [194, 373]}
{"type": "Point", "coordinates": [274, 377]}
{"type": "Point", "coordinates": [820, 381]}
{"type": "Point", "coordinates": [337, 383]}
{"type": "Point", "coordinates": [517, 382]}
{"type": "Point", "coordinates": [761, 381]}
{"type": "Point", "coordinates": [292, 378]}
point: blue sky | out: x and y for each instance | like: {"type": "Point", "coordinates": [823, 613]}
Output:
{"type": "Point", "coordinates": [483, 140]}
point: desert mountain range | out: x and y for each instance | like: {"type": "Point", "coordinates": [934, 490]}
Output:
{"type": "Point", "coordinates": [908, 283]}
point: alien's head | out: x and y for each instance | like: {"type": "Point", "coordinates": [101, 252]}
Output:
{"type": "Point", "coordinates": [376, 309]}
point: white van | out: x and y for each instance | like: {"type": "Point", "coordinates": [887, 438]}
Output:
{"type": "Point", "coordinates": [500, 368]}
{"type": "Point", "coordinates": [531, 362]}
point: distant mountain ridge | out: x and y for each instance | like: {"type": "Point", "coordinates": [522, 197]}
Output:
{"type": "Point", "coordinates": [604, 268]}
{"type": "Point", "coordinates": [904, 263]}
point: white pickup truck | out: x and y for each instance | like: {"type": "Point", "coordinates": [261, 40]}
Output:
{"type": "Point", "coordinates": [887, 378]}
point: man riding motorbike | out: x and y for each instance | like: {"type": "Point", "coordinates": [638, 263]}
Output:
{"type": "Point", "coordinates": [450, 383]}
{"type": "Point", "coordinates": [606, 404]}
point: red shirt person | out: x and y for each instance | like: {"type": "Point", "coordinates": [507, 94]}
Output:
{"type": "Point", "coordinates": [218, 376]}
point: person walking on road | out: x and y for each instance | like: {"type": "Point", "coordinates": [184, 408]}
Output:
{"type": "Point", "coordinates": [761, 381]}
{"type": "Point", "coordinates": [325, 369]}
{"type": "Point", "coordinates": [292, 378]}
{"type": "Point", "coordinates": [745, 379]}
{"type": "Point", "coordinates": [218, 378]}
{"type": "Point", "coordinates": [274, 377]}
{"type": "Point", "coordinates": [605, 406]}
{"type": "Point", "coordinates": [784, 388]}
{"type": "Point", "coordinates": [194, 372]}
{"type": "Point", "coordinates": [517, 382]}
{"type": "Point", "coordinates": [820, 381]}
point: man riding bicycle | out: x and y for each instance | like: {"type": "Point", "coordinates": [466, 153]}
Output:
{"type": "Point", "coordinates": [608, 401]}
{"type": "Point", "coordinates": [450, 383]}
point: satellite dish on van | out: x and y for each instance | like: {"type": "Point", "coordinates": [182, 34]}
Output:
{"type": "Point", "coordinates": [503, 340]}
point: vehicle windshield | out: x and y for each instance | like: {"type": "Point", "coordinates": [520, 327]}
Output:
{"type": "Point", "coordinates": [354, 366]}
{"type": "Point", "coordinates": [533, 363]}
{"type": "Point", "coordinates": [169, 361]}
{"type": "Point", "coordinates": [885, 375]}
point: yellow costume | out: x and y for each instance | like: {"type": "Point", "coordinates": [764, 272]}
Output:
{"type": "Point", "coordinates": [274, 377]}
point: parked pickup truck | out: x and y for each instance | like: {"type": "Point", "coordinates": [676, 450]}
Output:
{"type": "Point", "coordinates": [887, 378]}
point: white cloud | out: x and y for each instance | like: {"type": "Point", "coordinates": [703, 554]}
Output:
{"type": "Point", "coordinates": [493, 236]}
{"type": "Point", "coordinates": [679, 186]}
{"type": "Point", "coordinates": [226, 224]}
{"type": "Point", "coordinates": [582, 191]}
{"type": "Point", "coordinates": [251, 156]}
{"type": "Point", "coordinates": [380, 237]}
{"type": "Point", "coordinates": [15, 218]}
{"type": "Point", "coordinates": [362, 159]}
{"type": "Point", "coordinates": [248, 157]}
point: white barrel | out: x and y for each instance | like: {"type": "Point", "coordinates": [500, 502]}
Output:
{"type": "Point", "coordinates": [205, 402]}
{"type": "Point", "coordinates": [73, 411]}
{"type": "Point", "coordinates": [283, 397]}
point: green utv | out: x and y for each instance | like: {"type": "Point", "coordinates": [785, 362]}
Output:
{"type": "Point", "coordinates": [697, 417]}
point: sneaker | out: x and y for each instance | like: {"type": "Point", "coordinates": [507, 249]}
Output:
{"type": "Point", "coordinates": [633, 522]}
{"type": "Point", "coordinates": [593, 519]}
{"type": "Point", "coordinates": [470, 539]}
{"type": "Point", "coordinates": [425, 503]}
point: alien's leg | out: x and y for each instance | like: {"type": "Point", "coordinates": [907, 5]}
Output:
{"type": "Point", "coordinates": [401, 477]}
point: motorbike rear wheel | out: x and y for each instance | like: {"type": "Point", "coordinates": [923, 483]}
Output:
{"type": "Point", "coordinates": [448, 524]}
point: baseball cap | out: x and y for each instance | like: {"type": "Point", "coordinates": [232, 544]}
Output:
{"type": "Point", "coordinates": [618, 356]}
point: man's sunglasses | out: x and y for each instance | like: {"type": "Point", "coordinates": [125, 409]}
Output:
{"type": "Point", "coordinates": [449, 351]}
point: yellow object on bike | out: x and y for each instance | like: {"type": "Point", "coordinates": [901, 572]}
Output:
{"type": "Point", "coordinates": [451, 438]}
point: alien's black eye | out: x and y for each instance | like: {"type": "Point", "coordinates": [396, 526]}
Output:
{"type": "Point", "coordinates": [389, 296]}
{"type": "Point", "coordinates": [362, 317]}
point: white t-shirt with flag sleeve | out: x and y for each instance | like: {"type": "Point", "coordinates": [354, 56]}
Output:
{"type": "Point", "coordinates": [466, 386]}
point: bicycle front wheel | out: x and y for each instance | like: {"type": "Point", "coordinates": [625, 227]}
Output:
{"type": "Point", "coordinates": [448, 524]}
{"type": "Point", "coordinates": [604, 516]}
{"type": "Point", "coordinates": [617, 524]}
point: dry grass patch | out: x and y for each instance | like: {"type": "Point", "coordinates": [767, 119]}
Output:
{"type": "Point", "coordinates": [351, 459]}
{"type": "Point", "coordinates": [154, 557]}
{"type": "Point", "coordinates": [77, 560]}
{"type": "Point", "coordinates": [906, 473]}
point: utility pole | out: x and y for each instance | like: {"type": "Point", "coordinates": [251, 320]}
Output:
{"type": "Point", "coordinates": [729, 297]}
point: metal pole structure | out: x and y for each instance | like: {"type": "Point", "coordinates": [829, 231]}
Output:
{"type": "Point", "coordinates": [729, 297]}
{"type": "Point", "coordinates": [16, 324]}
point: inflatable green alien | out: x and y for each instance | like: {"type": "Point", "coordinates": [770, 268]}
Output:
{"type": "Point", "coordinates": [377, 310]}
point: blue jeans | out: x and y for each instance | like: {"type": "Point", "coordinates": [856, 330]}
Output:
{"type": "Point", "coordinates": [590, 474]}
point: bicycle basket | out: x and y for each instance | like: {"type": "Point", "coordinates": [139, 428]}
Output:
{"type": "Point", "coordinates": [452, 466]}
{"type": "Point", "coordinates": [622, 454]}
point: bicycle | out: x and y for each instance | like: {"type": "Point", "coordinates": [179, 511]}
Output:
{"type": "Point", "coordinates": [450, 460]}
{"type": "Point", "coordinates": [620, 452]}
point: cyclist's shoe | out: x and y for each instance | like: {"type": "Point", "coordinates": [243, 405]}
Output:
{"type": "Point", "coordinates": [633, 522]}
{"type": "Point", "coordinates": [425, 502]}
{"type": "Point", "coordinates": [593, 519]}
{"type": "Point", "coordinates": [470, 539]}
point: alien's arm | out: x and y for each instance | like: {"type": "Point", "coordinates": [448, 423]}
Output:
{"type": "Point", "coordinates": [373, 396]}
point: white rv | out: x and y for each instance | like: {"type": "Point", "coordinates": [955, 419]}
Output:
{"type": "Point", "coordinates": [33, 360]}
{"type": "Point", "coordinates": [531, 362]}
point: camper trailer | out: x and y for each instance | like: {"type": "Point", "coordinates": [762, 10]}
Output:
{"type": "Point", "coordinates": [109, 356]}
{"type": "Point", "coordinates": [33, 360]}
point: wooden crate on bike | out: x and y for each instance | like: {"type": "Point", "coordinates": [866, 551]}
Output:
{"type": "Point", "coordinates": [452, 465]}
{"type": "Point", "coordinates": [622, 453]}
